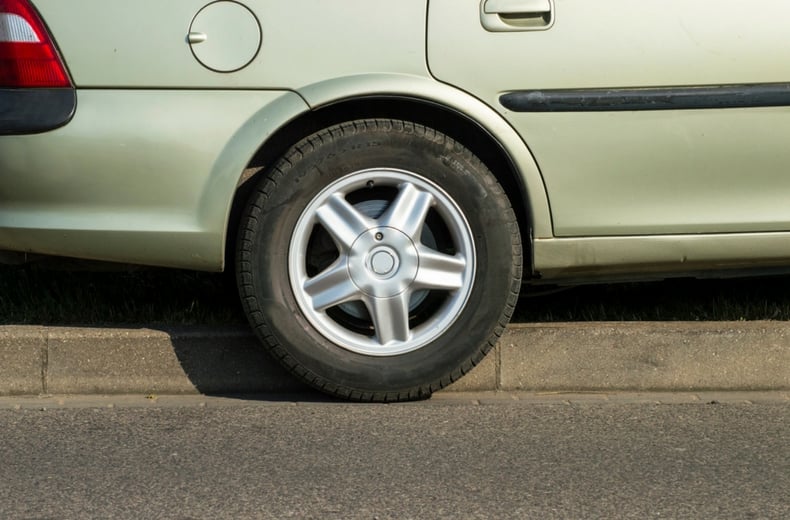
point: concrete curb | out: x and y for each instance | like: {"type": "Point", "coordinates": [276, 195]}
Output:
{"type": "Point", "coordinates": [638, 356]}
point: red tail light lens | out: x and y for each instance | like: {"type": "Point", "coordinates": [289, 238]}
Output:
{"type": "Point", "coordinates": [28, 57]}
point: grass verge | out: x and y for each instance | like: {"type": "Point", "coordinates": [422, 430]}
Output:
{"type": "Point", "coordinates": [33, 295]}
{"type": "Point", "coordinates": [742, 299]}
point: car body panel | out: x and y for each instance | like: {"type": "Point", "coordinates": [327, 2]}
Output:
{"type": "Point", "coordinates": [638, 172]}
{"type": "Point", "coordinates": [87, 197]}
{"type": "Point", "coordinates": [111, 43]}
{"type": "Point", "coordinates": [138, 176]}
{"type": "Point", "coordinates": [664, 172]}
{"type": "Point", "coordinates": [613, 43]}
{"type": "Point", "coordinates": [147, 169]}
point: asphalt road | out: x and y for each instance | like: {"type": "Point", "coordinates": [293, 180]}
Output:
{"type": "Point", "coordinates": [453, 457]}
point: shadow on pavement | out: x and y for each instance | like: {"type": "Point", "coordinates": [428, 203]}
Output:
{"type": "Point", "coordinates": [215, 360]}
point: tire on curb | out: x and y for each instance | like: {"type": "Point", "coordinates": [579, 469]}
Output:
{"type": "Point", "coordinates": [378, 260]}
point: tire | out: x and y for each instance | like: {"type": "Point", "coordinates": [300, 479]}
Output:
{"type": "Point", "coordinates": [379, 260]}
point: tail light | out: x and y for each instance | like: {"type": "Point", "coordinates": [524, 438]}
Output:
{"type": "Point", "coordinates": [28, 57]}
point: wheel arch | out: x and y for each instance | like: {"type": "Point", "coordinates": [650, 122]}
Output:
{"type": "Point", "coordinates": [426, 102]}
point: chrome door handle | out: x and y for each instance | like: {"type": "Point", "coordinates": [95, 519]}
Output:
{"type": "Point", "coordinates": [516, 15]}
{"type": "Point", "coordinates": [517, 6]}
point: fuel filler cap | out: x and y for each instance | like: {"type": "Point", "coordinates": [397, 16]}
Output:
{"type": "Point", "coordinates": [225, 36]}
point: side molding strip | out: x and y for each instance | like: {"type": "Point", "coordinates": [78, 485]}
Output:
{"type": "Point", "coordinates": [661, 98]}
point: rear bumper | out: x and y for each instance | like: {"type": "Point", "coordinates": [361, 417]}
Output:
{"type": "Point", "coordinates": [32, 111]}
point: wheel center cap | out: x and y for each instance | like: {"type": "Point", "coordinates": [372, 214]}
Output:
{"type": "Point", "coordinates": [383, 261]}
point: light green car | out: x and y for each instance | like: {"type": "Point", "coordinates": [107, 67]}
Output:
{"type": "Point", "coordinates": [384, 175]}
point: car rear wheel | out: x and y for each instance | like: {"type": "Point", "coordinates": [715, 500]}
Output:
{"type": "Point", "coordinates": [379, 260]}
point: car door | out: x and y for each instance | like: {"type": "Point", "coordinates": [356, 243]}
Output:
{"type": "Point", "coordinates": [645, 117]}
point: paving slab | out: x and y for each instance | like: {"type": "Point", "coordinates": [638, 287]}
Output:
{"type": "Point", "coordinates": [646, 356]}
{"type": "Point", "coordinates": [22, 360]}
{"type": "Point", "coordinates": [166, 361]}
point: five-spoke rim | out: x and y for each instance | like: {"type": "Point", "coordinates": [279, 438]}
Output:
{"type": "Point", "coordinates": [408, 269]}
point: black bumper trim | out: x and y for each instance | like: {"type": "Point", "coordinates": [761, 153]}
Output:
{"type": "Point", "coordinates": [636, 99]}
{"type": "Point", "coordinates": [35, 110]}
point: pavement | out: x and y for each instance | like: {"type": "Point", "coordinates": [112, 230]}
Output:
{"type": "Point", "coordinates": [593, 357]}
{"type": "Point", "coordinates": [484, 455]}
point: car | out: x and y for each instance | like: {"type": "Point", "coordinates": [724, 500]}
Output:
{"type": "Point", "coordinates": [387, 177]}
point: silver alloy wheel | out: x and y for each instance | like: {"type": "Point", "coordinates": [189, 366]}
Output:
{"type": "Point", "coordinates": [383, 263]}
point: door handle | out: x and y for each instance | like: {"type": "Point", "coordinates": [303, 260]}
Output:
{"type": "Point", "coordinates": [517, 6]}
{"type": "Point", "coordinates": [516, 15]}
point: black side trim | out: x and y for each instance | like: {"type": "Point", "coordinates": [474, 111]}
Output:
{"type": "Point", "coordinates": [35, 110]}
{"type": "Point", "coordinates": [663, 98]}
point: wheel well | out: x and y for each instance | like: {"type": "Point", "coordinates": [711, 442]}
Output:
{"type": "Point", "coordinates": [450, 122]}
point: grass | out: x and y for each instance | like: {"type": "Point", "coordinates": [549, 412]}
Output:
{"type": "Point", "coordinates": [34, 295]}
{"type": "Point", "coordinates": [744, 299]}
{"type": "Point", "coordinates": [31, 295]}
